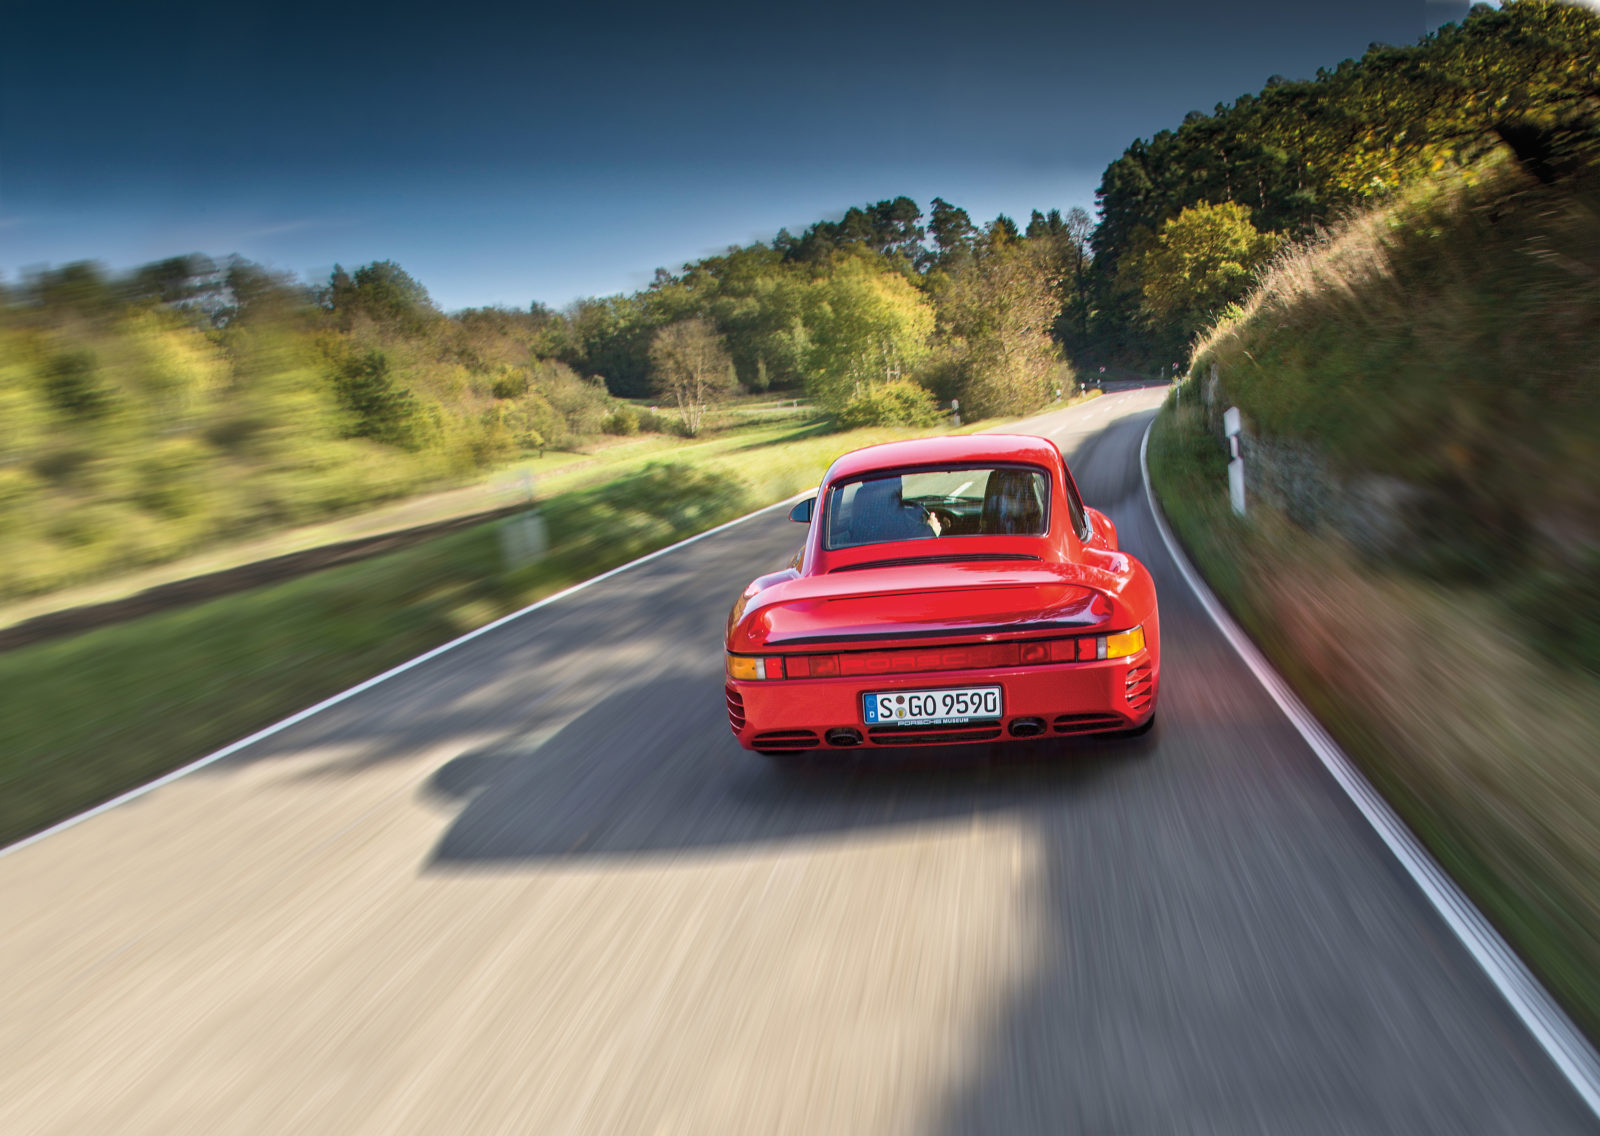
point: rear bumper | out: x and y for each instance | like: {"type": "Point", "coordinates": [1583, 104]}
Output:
{"type": "Point", "coordinates": [1059, 698]}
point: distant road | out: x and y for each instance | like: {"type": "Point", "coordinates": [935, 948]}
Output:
{"type": "Point", "coordinates": [532, 885]}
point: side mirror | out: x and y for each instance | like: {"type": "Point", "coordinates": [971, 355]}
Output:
{"type": "Point", "coordinates": [802, 510]}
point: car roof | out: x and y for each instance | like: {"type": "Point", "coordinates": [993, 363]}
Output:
{"type": "Point", "coordinates": [1025, 448]}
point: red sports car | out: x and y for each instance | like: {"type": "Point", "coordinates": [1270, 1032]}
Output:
{"type": "Point", "coordinates": [949, 590]}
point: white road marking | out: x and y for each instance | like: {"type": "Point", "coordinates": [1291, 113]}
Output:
{"type": "Point", "coordinates": [343, 695]}
{"type": "Point", "coordinates": [1543, 1016]}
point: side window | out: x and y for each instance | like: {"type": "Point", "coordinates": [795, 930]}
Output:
{"type": "Point", "coordinates": [1080, 519]}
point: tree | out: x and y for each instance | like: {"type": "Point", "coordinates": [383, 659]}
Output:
{"type": "Point", "coordinates": [1202, 260]}
{"type": "Point", "coordinates": [888, 228]}
{"type": "Point", "coordinates": [380, 408]}
{"type": "Point", "coordinates": [176, 281]}
{"type": "Point", "coordinates": [610, 336]}
{"type": "Point", "coordinates": [258, 294]}
{"type": "Point", "coordinates": [953, 234]}
{"type": "Point", "coordinates": [691, 367]}
{"type": "Point", "coordinates": [1001, 230]}
{"type": "Point", "coordinates": [995, 316]}
{"type": "Point", "coordinates": [860, 323]}
{"type": "Point", "coordinates": [1064, 243]}
{"type": "Point", "coordinates": [80, 286]}
{"type": "Point", "coordinates": [74, 387]}
{"type": "Point", "coordinates": [384, 293]}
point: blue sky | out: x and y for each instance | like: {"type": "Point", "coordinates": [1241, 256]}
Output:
{"type": "Point", "coordinates": [530, 153]}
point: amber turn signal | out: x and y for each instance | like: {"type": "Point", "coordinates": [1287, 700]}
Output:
{"type": "Point", "coordinates": [1124, 643]}
{"type": "Point", "coordinates": [747, 668]}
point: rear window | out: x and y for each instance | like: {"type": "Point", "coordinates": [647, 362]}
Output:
{"type": "Point", "coordinates": [938, 504]}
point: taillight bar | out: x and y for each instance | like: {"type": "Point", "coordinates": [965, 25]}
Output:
{"type": "Point", "coordinates": [975, 656]}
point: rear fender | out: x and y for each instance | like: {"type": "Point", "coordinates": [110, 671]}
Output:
{"type": "Point", "coordinates": [1105, 532]}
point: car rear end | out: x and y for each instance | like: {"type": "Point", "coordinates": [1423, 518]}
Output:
{"type": "Point", "coordinates": [852, 694]}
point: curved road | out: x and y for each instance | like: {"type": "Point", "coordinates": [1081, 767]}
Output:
{"type": "Point", "coordinates": [532, 885]}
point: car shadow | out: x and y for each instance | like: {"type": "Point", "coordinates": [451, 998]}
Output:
{"type": "Point", "coordinates": [587, 789]}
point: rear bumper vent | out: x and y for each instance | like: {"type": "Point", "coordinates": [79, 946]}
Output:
{"type": "Point", "coordinates": [898, 735]}
{"type": "Point", "coordinates": [735, 709]}
{"type": "Point", "coordinates": [1141, 687]}
{"type": "Point", "coordinates": [785, 739]}
{"type": "Point", "coordinates": [1087, 723]}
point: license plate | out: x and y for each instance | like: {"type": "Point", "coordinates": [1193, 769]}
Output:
{"type": "Point", "coordinates": [931, 707]}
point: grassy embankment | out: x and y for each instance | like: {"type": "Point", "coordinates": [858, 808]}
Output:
{"type": "Point", "coordinates": [1447, 345]}
{"type": "Point", "coordinates": [746, 421]}
{"type": "Point", "coordinates": [87, 717]}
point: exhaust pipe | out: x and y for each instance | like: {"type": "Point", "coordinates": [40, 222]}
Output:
{"type": "Point", "coordinates": [845, 736]}
{"type": "Point", "coordinates": [1027, 727]}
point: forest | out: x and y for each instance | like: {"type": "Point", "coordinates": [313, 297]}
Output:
{"type": "Point", "coordinates": [1190, 216]}
{"type": "Point", "coordinates": [146, 413]}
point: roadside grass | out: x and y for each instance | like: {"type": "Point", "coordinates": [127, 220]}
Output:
{"type": "Point", "coordinates": [1448, 340]}
{"type": "Point", "coordinates": [1486, 747]}
{"type": "Point", "coordinates": [90, 716]}
{"type": "Point", "coordinates": [552, 473]}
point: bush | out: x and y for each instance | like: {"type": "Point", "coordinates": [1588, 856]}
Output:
{"type": "Point", "coordinates": [623, 420]}
{"type": "Point", "coordinates": [1561, 609]}
{"type": "Point", "coordinates": [996, 387]}
{"type": "Point", "coordinates": [582, 403]}
{"type": "Point", "coordinates": [512, 427]}
{"type": "Point", "coordinates": [175, 479]}
{"type": "Point", "coordinates": [897, 403]}
{"type": "Point", "coordinates": [73, 385]}
{"type": "Point", "coordinates": [511, 382]}
{"type": "Point", "coordinates": [652, 422]}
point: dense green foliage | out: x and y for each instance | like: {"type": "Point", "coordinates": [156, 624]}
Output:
{"type": "Point", "coordinates": [145, 416]}
{"type": "Point", "coordinates": [874, 298]}
{"type": "Point", "coordinates": [897, 402]}
{"type": "Point", "coordinates": [1298, 155]}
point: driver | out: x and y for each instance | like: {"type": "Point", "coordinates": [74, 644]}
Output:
{"type": "Point", "coordinates": [879, 514]}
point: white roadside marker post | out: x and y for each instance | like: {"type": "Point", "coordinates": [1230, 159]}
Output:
{"type": "Point", "coordinates": [1230, 427]}
{"type": "Point", "coordinates": [524, 538]}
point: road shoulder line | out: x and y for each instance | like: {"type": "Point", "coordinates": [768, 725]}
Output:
{"type": "Point", "coordinates": [1532, 1003]}
{"type": "Point", "coordinates": [367, 684]}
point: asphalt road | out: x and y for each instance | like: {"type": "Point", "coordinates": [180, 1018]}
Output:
{"type": "Point", "coordinates": [533, 886]}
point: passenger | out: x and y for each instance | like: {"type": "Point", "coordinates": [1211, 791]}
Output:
{"type": "Point", "coordinates": [1011, 503]}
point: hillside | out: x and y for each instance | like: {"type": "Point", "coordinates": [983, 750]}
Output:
{"type": "Point", "coordinates": [1421, 396]}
